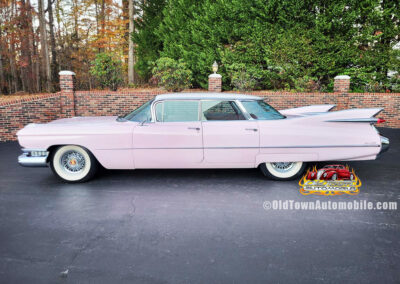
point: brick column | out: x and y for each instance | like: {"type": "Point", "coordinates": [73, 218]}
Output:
{"type": "Point", "coordinates": [342, 84]}
{"type": "Point", "coordinates": [215, 83]}
{"type": "Point", "coordinates": [67, 86]}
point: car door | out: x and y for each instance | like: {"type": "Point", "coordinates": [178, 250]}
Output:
{"type": "Point", "coordinates": [229, 138]}
{"type": "Point", "coordinates": [173, 139]}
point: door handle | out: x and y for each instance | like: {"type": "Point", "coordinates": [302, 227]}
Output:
{"type": "Point", "coordinates": [194, 128]}
{"type": "Point", "coordinates": [252, 129]}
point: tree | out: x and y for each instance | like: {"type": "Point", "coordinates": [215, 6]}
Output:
{"type": "Point", "coordinates": [44, 47]}
{"type": "Point", "coordinates": [148, 44]}
{"type": "Point", "coordinates": [131, 54]}
{"type": "Point", "coordinates": [54, 64]}
{"type": "Point", "coordinates": [107, 69]}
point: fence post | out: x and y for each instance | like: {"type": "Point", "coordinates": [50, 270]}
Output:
{"type": "Point", "coordinates": [215, 83]}
{"type": "Point", "coordinates": [67, 86]}
{"type": "Point", "coordinates": [342, 84]}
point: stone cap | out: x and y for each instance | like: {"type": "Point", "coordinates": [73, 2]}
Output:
{"type": "Point", "coordinates": [214, 76]}
{"type": "Point", "coordinates": [66, 72]}
{"type": "Point", "coordinates": [342, 77]}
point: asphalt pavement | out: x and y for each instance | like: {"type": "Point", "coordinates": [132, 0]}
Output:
{"type": "Point", "coordinates": [193, 226]}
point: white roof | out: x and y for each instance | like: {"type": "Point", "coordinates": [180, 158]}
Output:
{"type": "Point", "coordinates": [206, 96]}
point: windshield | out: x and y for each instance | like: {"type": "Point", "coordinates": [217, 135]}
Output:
{"type": "Point", "coordinates": [261, 110]}
{"type": "Point", "coordinates": [142, 113]}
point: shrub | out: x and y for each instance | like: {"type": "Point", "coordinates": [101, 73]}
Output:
{"type": "Point", "coordinates": [107, 71]}
{"type": "Point", "coordinates": [243, 78]}
{"type": "Point", "coordinates": [171, 74]}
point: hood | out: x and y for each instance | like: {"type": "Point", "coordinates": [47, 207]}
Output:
{"type": "Point", "coordinates": [76, 125]}
{"type": "Point", "coordinates": [84, 120]}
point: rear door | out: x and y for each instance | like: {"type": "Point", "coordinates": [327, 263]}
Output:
{"type": "Point", "coordinates": [173, 140]}
{"type": "Point", "coordinates": [229, 138]}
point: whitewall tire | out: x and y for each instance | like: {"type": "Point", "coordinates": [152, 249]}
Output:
{"type": "Point", "coordinates": [283, 170]}
{"type": "Point", "coordinates": [73, 163]}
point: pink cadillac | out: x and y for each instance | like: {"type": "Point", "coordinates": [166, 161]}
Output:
{"type": "Point", "coordinates": [203, 130]}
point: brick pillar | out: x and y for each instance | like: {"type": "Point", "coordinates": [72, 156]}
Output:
{"type": "Point", "coordinates": [67, 86]}
{"type": "Point", "coordinates": [342, 84]}
{"type": "Point", "coordinates": [215, 83]}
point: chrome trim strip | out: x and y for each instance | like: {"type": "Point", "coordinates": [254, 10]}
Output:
{"type": "Point", "coordinates": [250, 147]}
{"type": "Point", "coordinates": [26, 161]}
{"type": "Point", "coordinates": [26, 150]}
{"type": "Point", "coordinates": [369, 120]}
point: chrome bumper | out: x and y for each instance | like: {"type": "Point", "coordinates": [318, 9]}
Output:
{"type": "Point", "coordinates": [33, 158]}
{"type": "Point", "coordinates": [384, 145]}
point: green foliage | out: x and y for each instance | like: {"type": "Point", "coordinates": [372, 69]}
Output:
{"type": "Point", "coordinates": [148, 43]}
{"type": "Point", "coordinates": [282, 44]}
{"type": "Point", "coordinates": [243, 78]}
{"type": "Point", "coordinates": [107, 71]}
{"type": "Point", "coordinates": [171, 74]}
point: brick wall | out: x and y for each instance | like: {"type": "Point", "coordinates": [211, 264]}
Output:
{"type": "Point", "coordinates": [17, 113]}
{"type": "Point", "coordinates": [98, 103]}
{"type": "Point", "coordinates": [46, 107]}
{"type": "Point", "coordinates": [390, 102]}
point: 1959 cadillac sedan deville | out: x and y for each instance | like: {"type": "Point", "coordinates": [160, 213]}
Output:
{"type": "Point", "coordinates": [203, 130]}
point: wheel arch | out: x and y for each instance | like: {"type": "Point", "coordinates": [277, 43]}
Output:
{"type": "Point", "coordinates": [51, 149]}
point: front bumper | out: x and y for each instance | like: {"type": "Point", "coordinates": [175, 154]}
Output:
{"type": "Point", "coordinates": [33, 158]}
{"type": "Point", "coordinates": [384, 145]}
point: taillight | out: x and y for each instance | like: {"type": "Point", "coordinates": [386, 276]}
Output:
{"type": "Point", "coordinates": [380, 120]}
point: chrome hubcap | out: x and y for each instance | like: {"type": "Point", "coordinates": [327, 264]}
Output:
{"type": "Point", "coordinates": [73, 161]}
{"type": "Point", "coordinates": [283, 167]}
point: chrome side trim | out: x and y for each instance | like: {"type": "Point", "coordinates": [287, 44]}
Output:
{"type": "Point", "coordinates": [250, 147]}
{"type": "Point", "coordinates": [369, 120]}
{"type": "Point", "coordinates": [27, 161]}
{"type": "Point", "coordinates": [27, 150]}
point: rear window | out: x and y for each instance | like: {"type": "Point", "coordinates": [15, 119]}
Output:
{"type": "Point", "coordinates": [220, 110]}
{"type": "Point", "coordinates": [176, 111]}
{"type": "Point", "coordinates": [260, 110]}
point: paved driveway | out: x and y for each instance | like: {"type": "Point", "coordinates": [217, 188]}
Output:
{"type": "Point", "coordinates": [197, 226]}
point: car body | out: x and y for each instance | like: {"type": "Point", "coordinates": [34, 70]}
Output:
{"type": "Point", "coordinates": [331, 172]}
{"type": "Point", "coordinates": [207, 130]}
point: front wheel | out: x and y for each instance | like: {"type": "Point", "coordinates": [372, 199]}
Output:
{"type": "Point", "coordinates": [283, 170]}
{"type": "Point", "coordinates": [73, 163]}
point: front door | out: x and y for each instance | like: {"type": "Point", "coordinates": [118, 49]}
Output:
{"type": "Point", "coordinates": [173, 140]}
{"type": "Point", "coordinates": [229, 139]}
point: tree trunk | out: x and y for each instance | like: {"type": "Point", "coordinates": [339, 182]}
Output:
{"type": "Point", "coordinates": [44, 48]}
{"type": "Point", "coordinates": [125, 16]}
{"type": "Point", "coordinates": [2, 81]}
{"type": "Point", "coordinates": [26, 61]}
{"type": "Point", "coordinates": [54, 65]}
{"type": "Point", "coordinates": [102, 23]}
{"type": "Point", "coordinates": [32, 50]}
{"type": "Point", "coordinates": [131, 54]}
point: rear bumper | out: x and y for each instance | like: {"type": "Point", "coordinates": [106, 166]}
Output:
{"type": "Point", "coordinates": [384, 145]}
{"type": "Point", "coordinates": [33, 158]}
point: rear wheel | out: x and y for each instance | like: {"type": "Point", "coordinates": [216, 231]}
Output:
{"type": "Point", "coordinates": [73, 164]}
{"type": "Point", "coordinates": [283, 170]}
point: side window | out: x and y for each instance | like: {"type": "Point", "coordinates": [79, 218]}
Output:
{"type": "Point", "coordinates": [174, 111]}
{"type": "Point", "coordinates": [220, 110]}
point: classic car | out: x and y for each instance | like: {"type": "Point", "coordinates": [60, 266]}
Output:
{"type": "Point", "coordinates": [331, 172]}
{"type": "Point", "coordinates": [203, 130]}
